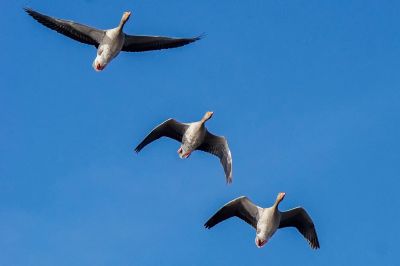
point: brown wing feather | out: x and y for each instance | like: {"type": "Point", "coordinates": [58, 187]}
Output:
{"type": "Point", "coordinates": [148, 43]}
{"type": "Point", "coordinates": [299, 218]}
{"type": "Point", "coordinates": [169, 128]}
{"type": "Point", "coordinates": [240, 207]}
{"type": "Point", "coordinates": [76, 31]}
{"type": "Point", "coordinates": [218, 146]}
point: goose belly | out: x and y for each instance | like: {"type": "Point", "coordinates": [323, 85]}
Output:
{"type": "Point", "coordinates": [112, 43]}
{"type": "Point", "coordinates": [193, 137]}
{"type": "Point", "coordinates": [108, 49]}
{"type": "Point", "coordinates": [268, 223]}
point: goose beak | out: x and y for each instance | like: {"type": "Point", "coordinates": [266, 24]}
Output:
{"type": "Point", "coordinates": [127, 14]}
{"type": "Point", "coordinates": [282, 195]}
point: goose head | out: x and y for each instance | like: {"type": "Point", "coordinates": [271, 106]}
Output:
{"type": "Point", "coordinates": [207, 116]}
{"type": "Point", "coordinates": [124, 19]}
{"type": "Point", "coordinates": [279, 198]}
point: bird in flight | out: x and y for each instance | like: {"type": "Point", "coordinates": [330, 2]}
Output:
{"type": "Point", "coordinates": [193, 136]}
{"type": "Point", "coordinates": [108, 42]}
{"type": "Point", "coordinates": [267, 220]}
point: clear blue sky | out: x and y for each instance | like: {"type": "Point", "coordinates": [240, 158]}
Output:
{"type": "Point", "coordinates": [306, 92]}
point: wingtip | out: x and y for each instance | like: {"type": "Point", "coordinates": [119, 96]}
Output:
{"type": "Point", "coordinates": [229, 180]}
{"type": "Point", "coordinates": [315, 247]}
{"type": "Point", "coordinates": [314, 243]}
{"type": "Point", "coordinates": [27, 9]}
{"type": "Point", "coordinates": [207, 226]}
{"type": "Point", "coordinates": [34, 14]}
{"type": "Point", "coordinates": [199, 37]}
{"type": "Point", "coordinates": [138, 148]}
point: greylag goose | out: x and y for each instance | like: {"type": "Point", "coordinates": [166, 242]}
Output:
{"type": "Point", "coordinates": [267, 220]}
{"type": "Point", "coordinates": [108, 42]}
{"type": "Point", "coordinates": [193, 136]}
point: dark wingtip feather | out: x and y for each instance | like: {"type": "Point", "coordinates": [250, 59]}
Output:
{"type": "Point", "coordinates": [29, 11]}
{"type": "Point", "coordinates": [207, 225]}
{"type": "Point", "coordinates": [313, 240]}
{"type": "Point", "coordinates": [42, 19]}
{"type": "Point", "coordinates": [315, 244]}
{"type": "Point", "coordinates": [201, 36]}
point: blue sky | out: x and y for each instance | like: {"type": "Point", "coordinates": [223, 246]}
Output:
{"type": "Point", "coordinates": [306, 92]}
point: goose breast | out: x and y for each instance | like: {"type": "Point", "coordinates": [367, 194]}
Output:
{"type": "Point", "coordinates": [268, 222]}
{"type": "Point", "coordinates": [194, 135]}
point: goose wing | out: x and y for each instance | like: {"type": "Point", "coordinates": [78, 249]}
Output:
{"type": "Point", "coordinates": [240, 207]}
{"type": "Point", "coordinates": [169, 128]}
{"type": "Point", "coordinates": [299, 218]}
{"type": "Point", "coordinates": [136, 43]}
{"type": "Point", "coordinates": [76, 31]}
{"type": "Point", "coordinates": [218, 146]}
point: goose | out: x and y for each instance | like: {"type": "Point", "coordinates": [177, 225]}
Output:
{"type": "Point", "coordinates": [108, 42]}
{"type": "Point", "coordinates": [193, 136]}
{"type": "Point", "coordinates": [267, 220]}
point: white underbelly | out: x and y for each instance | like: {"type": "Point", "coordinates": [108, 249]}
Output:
{"type": "Point", "coordinates": [193, 137]}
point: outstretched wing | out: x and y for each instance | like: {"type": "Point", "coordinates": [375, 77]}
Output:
{"type": "Point", "coordinates": [76, 31]}
{"type": "Point", "coordinates": [170, 128]}
{"type": "Point", "coordinates": [218, 146]}
{"type": "Point", "coordinates": [299, 218]}
{"type": "Point", "coordinates": [147, 43]}
{"type": "Point", "coordinates": [240, 207]}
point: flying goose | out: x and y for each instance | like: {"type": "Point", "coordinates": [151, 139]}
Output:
{"type": "Point", "coordinates": [108, 42]}
{"type": "Point", "coordinates": [267, 220]}
{"type": "Point", "coordinates": [193, 136]}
